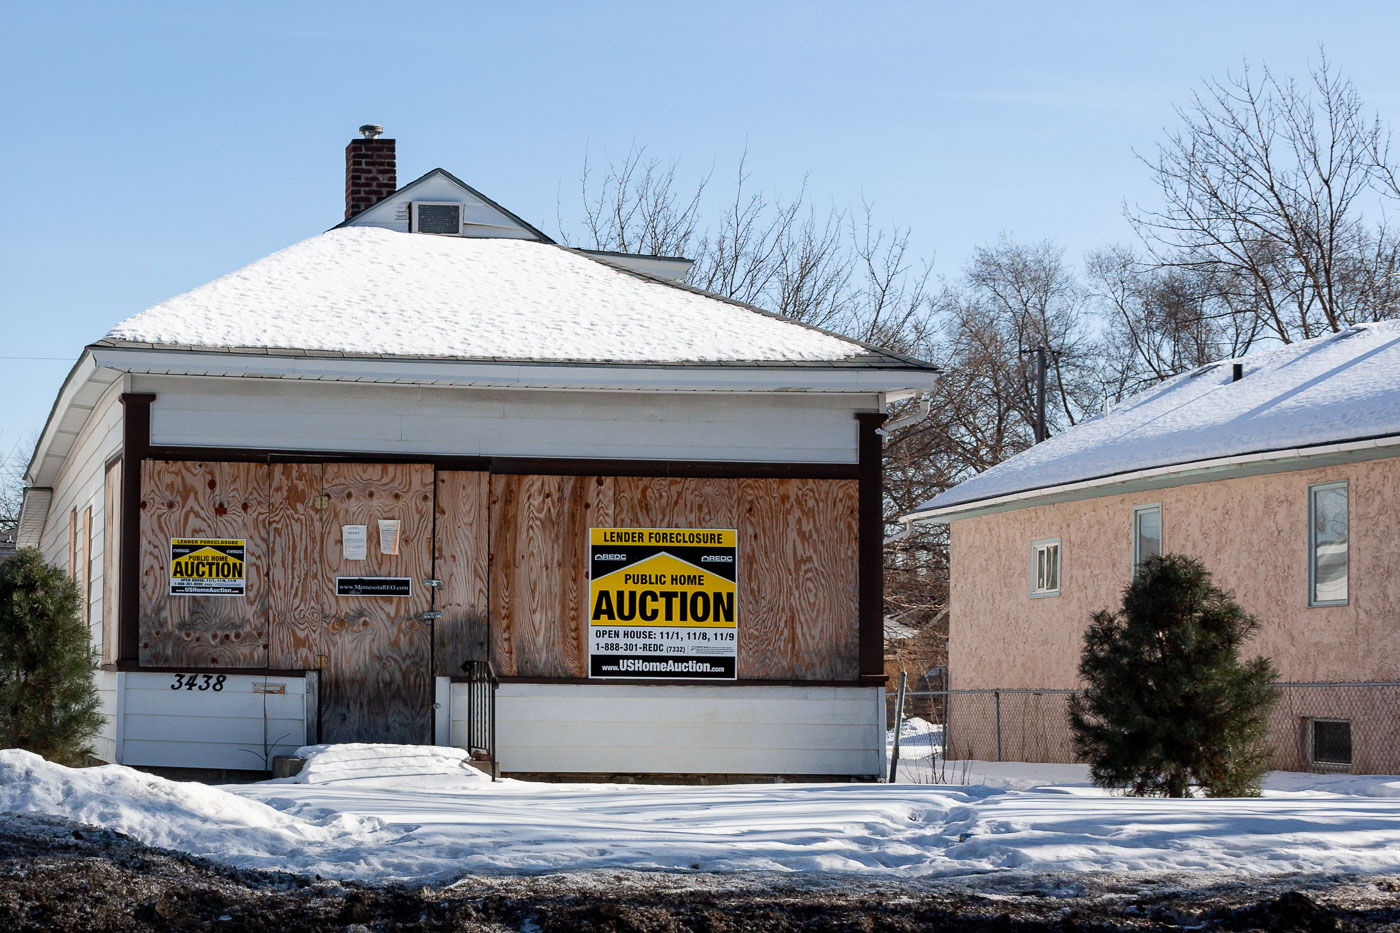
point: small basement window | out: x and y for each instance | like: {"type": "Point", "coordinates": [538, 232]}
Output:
{"type": "Point", "coordinates": [436, 217]}
{"type": "Point", "coordinates": [1327, 544]}
{"type": "Point", "coordinates": [1329, 742]}
{"type": "Point", "coordinates": [1045, 567]}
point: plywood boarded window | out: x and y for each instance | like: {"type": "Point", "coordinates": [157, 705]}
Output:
{"type": "Point", "coordinates": [111, 549]}
{"type": "Point", "coordinates": [73, 544]}
{"type": "Point", "coordinates": [85, 562]}
{"type": "Point", "coordinates": [798, 595]}
{"type": "Point", "coordinates": [79, 555]}
{"type": "Point", "coordinates": [203, 500]}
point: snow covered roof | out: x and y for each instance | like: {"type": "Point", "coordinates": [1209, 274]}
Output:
{"type": "Point", "coordinates": [1339, 388]}
{"type": "Point", "coordinates": [367, 291]}
{"type": "Point", "coordinates": [896, 630]}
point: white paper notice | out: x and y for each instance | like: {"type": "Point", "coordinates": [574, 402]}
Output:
{"type": "Point", "coordinates": [388, 536]}
{"type": "Point", "coordinates": [354, 542]}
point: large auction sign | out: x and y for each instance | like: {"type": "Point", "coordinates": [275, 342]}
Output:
{"type": "Point", "coordinates": [661, 603]}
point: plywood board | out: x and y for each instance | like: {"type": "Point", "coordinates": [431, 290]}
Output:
{"type": "Point", "coordinates": [539, 572]}
{"type": "Point", "coordinates": [798, 605]}
{"type": "Point", "coordinates": [376, 685]}
{"type": "Point", "coordinates": [85, 582]}
{"type": "Point", "coordinates": [203, 500]}
{"type": "Point", "coordinates": [798, 598]}
{"type": "Point", "coordinates": [299, 598]}
{"type": "Point", "coordinates": [462, 540]}
{"type": "Point", "coordinates": [676, 502]}
{"type": "Point", "coordinates": [111, 558]}
{"type": "Point", "coordinates": [73, 544]}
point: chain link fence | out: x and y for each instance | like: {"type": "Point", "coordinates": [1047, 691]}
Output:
{"type": "Point", "coordinates": [1336, 727]}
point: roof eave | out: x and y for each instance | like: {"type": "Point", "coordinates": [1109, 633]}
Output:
{"type": "Point", "coordinates": [1255, 463]}
{"type": "Point", "coordinates": [872, 376]}
{"type": "Point", "coordinates": [87, 379]}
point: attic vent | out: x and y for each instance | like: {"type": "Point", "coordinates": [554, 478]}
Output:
{"type": "Point", "coordinates": [436, 217]}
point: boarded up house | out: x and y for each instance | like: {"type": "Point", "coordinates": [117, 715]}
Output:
{"type": "Point", "coordinates": [313, 499]}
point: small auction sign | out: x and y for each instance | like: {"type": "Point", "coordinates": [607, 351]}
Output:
{"type": "Point", "coordinates": [207, 567]}
{"type": "Point", "coordinates": [661, 603]}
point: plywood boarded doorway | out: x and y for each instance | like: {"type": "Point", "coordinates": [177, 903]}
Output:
{"type": "Point", "coordinates": [373, 651]}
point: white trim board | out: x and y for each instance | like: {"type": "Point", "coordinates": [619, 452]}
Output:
{"type": "Point", "coordinates": [842, 378]}
{"type": "Point", "coordinates": [661, 728]}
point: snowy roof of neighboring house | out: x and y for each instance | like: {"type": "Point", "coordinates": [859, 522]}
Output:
{"type": "Point", "coordinates": [1339, 388]}
{"type": "Point", "coordinates": [896, 630]}
{"type": "Point", "coordinates": [367, 291]}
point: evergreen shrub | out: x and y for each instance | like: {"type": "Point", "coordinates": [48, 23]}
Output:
{"type": "Point", "coordinates": [1169, 705]}
{"type": "Point", "coordinates": [48, 701]}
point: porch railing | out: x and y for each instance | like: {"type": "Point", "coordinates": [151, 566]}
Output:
{"type": "Point", "coordinates": [481, 685]}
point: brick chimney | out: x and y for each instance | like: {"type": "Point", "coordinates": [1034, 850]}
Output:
{"type": "Point", "coordinates": [370, 171]}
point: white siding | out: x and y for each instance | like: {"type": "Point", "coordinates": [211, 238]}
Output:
{"type": "Point", "coordinates": [235, 727]}
{"type": "Point", "coordinates": [79, 485]}
{"type": "Point", "coordinates": [213, 412]}
{"type": "Point", "coordinates": [105, 745]}
{"type": "Point", "coordinates": [684, 729]}
{"type": "Point", "coordinates": [481, 218]}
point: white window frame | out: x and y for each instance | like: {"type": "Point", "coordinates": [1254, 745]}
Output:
{"type": "Point", "coordinates": [1161, 531]}
{"type": "Point", "coordinates": [1312, 744]}
{"type": "Point", "coordinates": [413, 215]}
{"type": "Point", "coordinates": [1036, 548]}
{"type": "Point", "coordinates": [1313, 489]}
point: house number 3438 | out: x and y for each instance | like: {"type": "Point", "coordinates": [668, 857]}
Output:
{"type": "Point", "coordinates": [200, 682]}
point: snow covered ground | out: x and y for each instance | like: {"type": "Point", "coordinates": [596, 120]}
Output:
{"type": "Point", "coordinates": [382, 813]}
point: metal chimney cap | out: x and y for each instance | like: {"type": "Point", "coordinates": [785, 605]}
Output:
{"type": "Point", "coordinates": [371, 131]}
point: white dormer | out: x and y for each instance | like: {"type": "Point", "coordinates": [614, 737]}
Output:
{"type": "Point", "coordinates": [442, 204]}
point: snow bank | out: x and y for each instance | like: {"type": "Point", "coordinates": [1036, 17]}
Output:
{"type": "Point", "coordinates": [389, 813]}
{"type": "Point", "coordinates": [186, 816]}
{"type": "Point", "coordinates": [918, 738]}
{"type": "Point", "coordinates": [366, 291]}
{"type": "Point", "coordinates": [1335, 388]}
{"type": "Point", "coordinates": [395, 765]}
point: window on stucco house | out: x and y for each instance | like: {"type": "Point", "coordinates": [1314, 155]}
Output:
{"type": "Point", "coordinates": [1045, 567]}
{"type": "Point", "coordinates": [1147, 534]}
{"type": "Point", "coordinates": [1328, 536]}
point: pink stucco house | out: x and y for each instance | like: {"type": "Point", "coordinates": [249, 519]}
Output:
{"type": "Point", "coordinates": [1281, 471]}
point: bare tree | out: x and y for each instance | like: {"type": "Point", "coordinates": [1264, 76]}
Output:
{"type": "Point", "coordinates": [1264, 189]}
{"type": "Point", "coordinates": [638, 206]}
{"type": "Point", "coordinates": [12, 464]}
{"type": "Point", "coordinates": [1160, 321]}
{"type": "Point", "coordinates": [1014, 297]}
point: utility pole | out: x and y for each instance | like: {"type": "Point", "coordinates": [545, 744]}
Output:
{"type": "Point", "coordinates": [1042, 363]}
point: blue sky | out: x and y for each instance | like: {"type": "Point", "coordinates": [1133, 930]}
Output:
{"type": "Point", "coordinates": [152, 146]}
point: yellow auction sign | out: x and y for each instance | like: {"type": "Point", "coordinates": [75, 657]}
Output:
{"type": "Point", "coordinates": [207, 567]}
{"type": "Point", "coordinates": [662, 603]}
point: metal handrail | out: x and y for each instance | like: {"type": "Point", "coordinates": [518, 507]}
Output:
{"type": "Point", "coordinates": [481, 712]}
